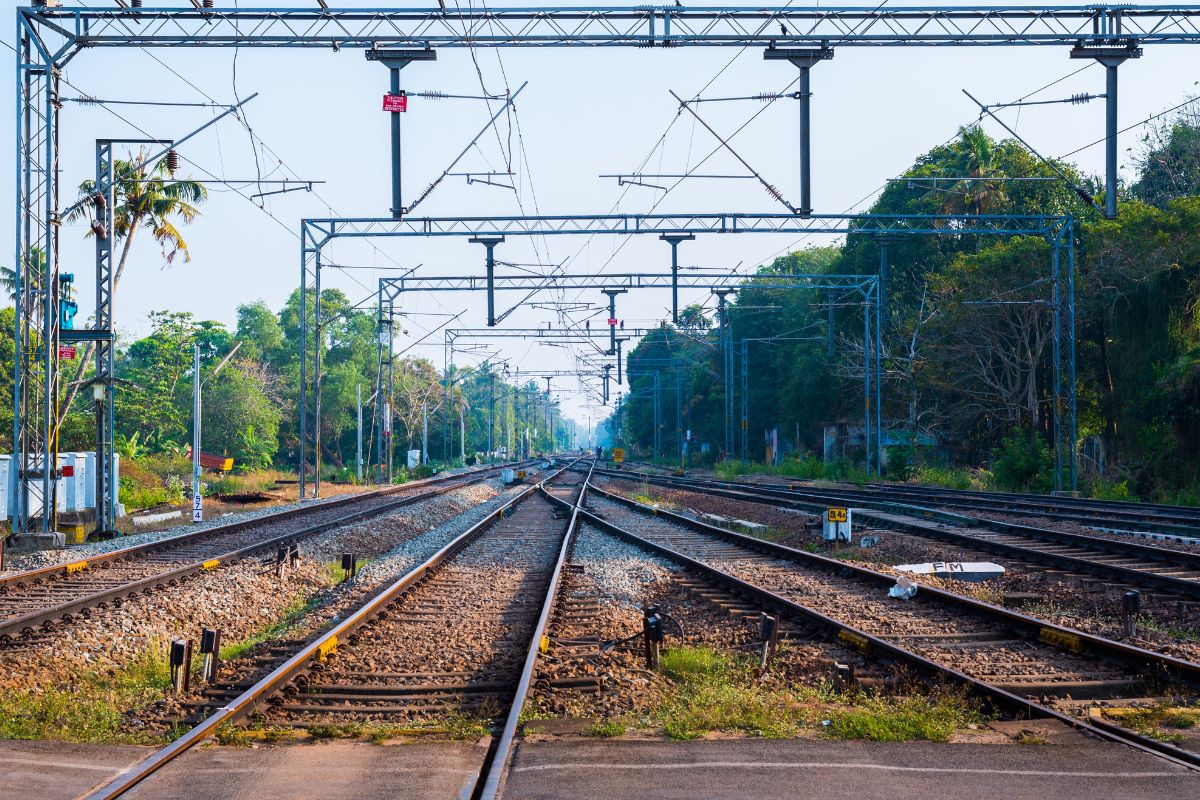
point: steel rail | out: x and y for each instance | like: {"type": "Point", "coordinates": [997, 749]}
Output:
{"type": "Point", "coordinates": [872, 644]}
{"type": "Point", "coordinates": [1177, 668]}
{"type": "Point", "coordinates": [303, 660]}
{"type": "Point", "coordinates": [18, 625]}
{"type": "Point", "coordinates": [1129, 520]}
{"type": "Point", "coordinates": [818, 503]}
{"type": "Point", "coordinates": [496, 767]}
{"type": "Point", "coordinates": [69, 567]}
{"type": "Point", "coordinates": [1186, 516]}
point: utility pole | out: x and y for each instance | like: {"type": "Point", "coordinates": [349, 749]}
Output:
{"type": "Point", "coordinates": [197, 500]}
{"type": "Point", "coordinates": [358, 459]}
{"type": "Point", "coordinates": [491, 412]}
{"type": "Point", "coordinates": [424, 432]}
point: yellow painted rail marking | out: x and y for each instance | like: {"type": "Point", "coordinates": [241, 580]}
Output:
{"type": "Point", "coordinates": [211, 564]}
{"type": "Point", "coordinates": [326, 648]}
{"type": "Point", "coordinates": [855, 640]}
{"type": "Point", "coordinates": [1068, 640]}
{"type": "Point", "coordinates": [544, 644]}
{"type": "Point", "coordinates": [78, 566]}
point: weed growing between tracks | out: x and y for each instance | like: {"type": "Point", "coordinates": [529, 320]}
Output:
{"type": "Point", "coordinates": [715, 692]}
{"type": "Point", "coordinates": [92, 707]}
{"type": "Point", "coordinates": [1162, 722]}
{"type": "Point", "coordinates": [294, 612]}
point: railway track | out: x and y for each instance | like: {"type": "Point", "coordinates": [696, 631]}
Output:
{"type": "Point", "coordinates": [45, 597]}
{"type": "Point", "coordinates": [1105, 515]}
{"type": "Point", "coordinates": [1132, 564]}
{"type": "Point", "coordinates": [1021, 663]}
{"type": "Point", "coordinates": [460, 631]}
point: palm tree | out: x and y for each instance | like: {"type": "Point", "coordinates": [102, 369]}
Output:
{"type": "Point", "coordinates": [979, 171]}
{"type": "Point", "coordinates": [8, 275]}
{"type": "Point", "coordinates": [8, 282]}
{"type": "Point", "coordinates": [146, 196]}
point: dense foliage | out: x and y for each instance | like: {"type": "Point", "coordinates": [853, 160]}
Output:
{"type": "Point", "coordinates": [250, 377]}
{"type": "Point", "coordinates": [967, 341]}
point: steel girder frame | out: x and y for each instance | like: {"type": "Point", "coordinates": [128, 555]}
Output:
{"type": "Point", "coordinates": [1057, 230]}
{"type": "Point", "coordinates": [720, 284]}
{"type": "Point", "coordinates": [35, 376]}
{"type": "Point", "coordinates": [48, 38]}
{"type": "Point", "coordinates": [621, 26]}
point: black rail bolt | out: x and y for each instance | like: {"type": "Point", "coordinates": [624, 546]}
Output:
{"type": "Point", "coordinates": [1131, 604]}
{"type": "Point", "coordinates": [770, 638]}
{"type": "Point", "coordinates": [349, 566]}
{"type": "Point", "coordinates": [181, 659]}
{"type": "Point", "coordinates": [652, 633]}
{"type": "Point", "coordinates": [210, 648]}
{"type": "Point", "coordinates": [843, 674]}
{"type": "Point", "coordinates": [281, 558]}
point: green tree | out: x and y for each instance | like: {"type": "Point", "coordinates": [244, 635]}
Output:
{"type": "Point", "coordinates": [146, 196]}
{"type": "Point", "coordinates": [240, 414]}
{"type": "Point", "coordinates": [1169, 164]}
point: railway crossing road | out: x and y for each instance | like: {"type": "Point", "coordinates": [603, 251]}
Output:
{"type": "Point", "coordinates": [1068, 767]}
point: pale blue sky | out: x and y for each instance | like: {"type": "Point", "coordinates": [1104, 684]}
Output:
{"type": "Point", "coordinates": [583, 113]}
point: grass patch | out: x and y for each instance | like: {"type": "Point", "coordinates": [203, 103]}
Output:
{"type": "Point", "coordinates": [714, 693]}
{"type": "Point", "coordinates": [1153, 720]}
{"type": "Point", "coordinates": [91, 708]}
{"type": "Point", "coordinates": [348, 731]}
{"type": "Point", "coordinates": [606, 728]}
{"type": "Point", "coordinates": [878, 718]}
{"type": "Point", "coordinates": [335, 572]}
{"type": "Point", "coordinates": [293, 612]}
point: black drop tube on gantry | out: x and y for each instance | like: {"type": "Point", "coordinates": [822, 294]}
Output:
{"type": "Point", "coordinates": [674, 239]}
{"type": "Point", "coordinates": [804, 60]}
{"type": "Point", "coordinates": [396, 60]}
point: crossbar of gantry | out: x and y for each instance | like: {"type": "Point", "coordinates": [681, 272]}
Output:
{"type": "Point", "coordinates": [616, 26]}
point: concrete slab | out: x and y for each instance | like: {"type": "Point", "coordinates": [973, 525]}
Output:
{"type": "Point", "coordinates": [972, 571]}
{"type": "Point", "coordinates": [58, 771]}
{"type": "Point", "coordinates": [794, 769]}
{"type": "Point", "coordinates": [322, 771]}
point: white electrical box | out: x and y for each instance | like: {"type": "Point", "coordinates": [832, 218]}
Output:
{"type": "Point", "coordinates": [836, 526]}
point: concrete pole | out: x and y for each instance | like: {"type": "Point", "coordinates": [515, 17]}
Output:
{"type": "Point", "coordinates": [196, 405]}
{"type": "Point", "coordinates": [424, 432]}
{"type": "Point", "coordinates": [358, 459]}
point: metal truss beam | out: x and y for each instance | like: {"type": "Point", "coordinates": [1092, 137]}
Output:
{"type": "Point", "coordinates": [394, 287]}
{"type": "Point", "coordinates": [557, 334]}
{"type": "Point", "coordinates": [658, 224]}
{"type": "Point", "coordinates": [617, 26]}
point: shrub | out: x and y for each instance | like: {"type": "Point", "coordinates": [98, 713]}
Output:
{"type": "Point", "coordinates": [1024, 463]}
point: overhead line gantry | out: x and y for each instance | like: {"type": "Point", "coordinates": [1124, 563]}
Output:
{"type": "Point", "coordinates": [49, 38]}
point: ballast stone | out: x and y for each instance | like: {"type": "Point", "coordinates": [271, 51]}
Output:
{"type": "Point", "coordinates": [971, 571]}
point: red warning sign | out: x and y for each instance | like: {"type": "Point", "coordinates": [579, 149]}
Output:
{"type": "Point", "coordinates": [612, 321]}
{"type": "Point", "coordinates": [396, 103]}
